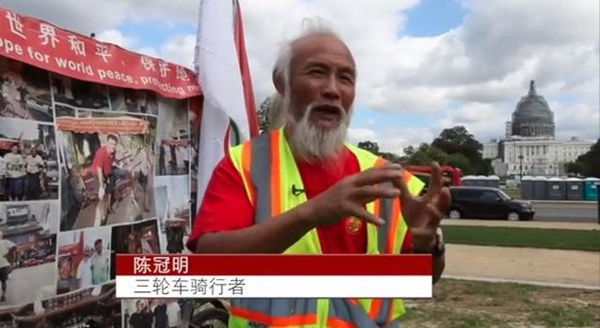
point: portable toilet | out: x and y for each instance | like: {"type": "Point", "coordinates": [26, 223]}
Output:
{"type": "Point", "coordinates": [539, 188]}
{"type": "Point", "coordinates": [557, 189]}
{"type": "Point", "coordinates": [527, 187]}
{"type": "Point", "coordinates": [493, 181]}
{"type": "Point", "coordinates": [481, 180]}
{"type": "Point", "coordinates": [468, 180]}
{"type": "Point", "coordinates": [575, 189]}
{"type": "Point", "coordinates": [591, 190]}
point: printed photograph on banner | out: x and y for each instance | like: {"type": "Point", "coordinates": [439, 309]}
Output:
{"type": "Point", "coordinates": [173, 212]}
{"type": "Point", "coordinates": [173, 138]}
{"type": "Point", "coordinates": [89, 307]}
{"type": "Point", "coordinates": [27, 250]}
{"type": "Point", "coordinates": [137, 238]}
{"type": "Point", "coordinates": [107, 175]}
{"type": "Point", "coordinates": [28, 161]}
{"type": "Point", "coordinates": [25, 92]}
{"type": "Point", "coordinates": [195, 105]}
{"type": "Point", "coordinates": [153, 312]}
{"type": "Point", "coordinates": [133, 101]}
{"type": "Point", "coordinates": [71, 95]}
{"type": "Point", "coordinates": [83, 259]}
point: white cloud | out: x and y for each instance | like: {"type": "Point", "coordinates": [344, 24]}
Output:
{"type": "Point", "coordinates": [180, 50]}
{"type": "Point", "coordinates": [116, 37]}
{"type": "Point", "coordinates": [485, 64]}
{"type": "Point", "coordinates": [472, 75]}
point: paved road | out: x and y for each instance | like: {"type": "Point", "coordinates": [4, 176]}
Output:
{"type": "Point", "coordinates": [524, 224]}
{"type": "Point", "coordinates": [578, 212]}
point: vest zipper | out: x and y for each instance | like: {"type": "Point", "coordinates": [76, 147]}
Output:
{"type": "Point", "coordinates": [294, 301]}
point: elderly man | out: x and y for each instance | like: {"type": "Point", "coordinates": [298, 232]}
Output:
{"type": "Point", "coordinates": [300, 189]}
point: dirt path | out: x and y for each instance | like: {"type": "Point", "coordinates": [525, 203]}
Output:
{"type": "Point", "coordinates": [524, 224]}
{"type": "Point", "coordinates": [529, 264]}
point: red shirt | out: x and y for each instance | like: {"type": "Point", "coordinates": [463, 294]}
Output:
{"type": "Point", "coordinates": [226, 207]}
{"type": "Point", "coordinates": [104, 160]}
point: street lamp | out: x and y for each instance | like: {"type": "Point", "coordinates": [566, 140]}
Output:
{"type": "Point", "coordinates": [521, 167]}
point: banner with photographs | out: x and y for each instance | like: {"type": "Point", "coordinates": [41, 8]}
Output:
{"type": "Point", "coordinates": [98, 156]}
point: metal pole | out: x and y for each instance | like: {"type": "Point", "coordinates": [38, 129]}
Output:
{"type": "Point", "coordinates": [598, 196]}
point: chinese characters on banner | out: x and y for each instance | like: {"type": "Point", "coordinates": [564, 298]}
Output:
{"type": "Point", "coordinates": [97, 154]}
{"type": "Point", "coordinates": [46, 46]}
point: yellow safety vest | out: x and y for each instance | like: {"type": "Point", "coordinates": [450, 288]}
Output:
{"type": "Point", "coordinates": [269, 171]}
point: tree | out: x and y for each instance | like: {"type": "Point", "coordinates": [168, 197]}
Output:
{"type": "Point", "coordinates": [426, 154]}
{"type": "Point", "coordinates": [460, 161]}
{"type": "Point", "coordinates": [263, 115]}
{"type": "Point", "coordinates": [391, 157]}
{"type": "Point", "coordinates": [458, 140]}
{"type": "Point", "coordinates": [371, 146]}
{"type": "Point", "coordinates": [576, 167]}
{"type": "Point", "coordinates": [587, 164]}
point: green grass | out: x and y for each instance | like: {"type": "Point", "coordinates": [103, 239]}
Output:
{"type": "Point", "coordinates": [562, 316]}
{"type": "Point", "coordinates": [472, 304]}
{"type": "Point", "coordinates": [583, 240]}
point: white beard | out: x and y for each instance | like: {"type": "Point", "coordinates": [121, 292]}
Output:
{"type": "Point", "coordinates": [313, 143]}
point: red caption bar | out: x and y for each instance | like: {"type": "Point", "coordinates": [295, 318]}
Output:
{"type": "Point", "coordinates": [48, 47]}
{"type": "Point", "coordinates": [266, 265]}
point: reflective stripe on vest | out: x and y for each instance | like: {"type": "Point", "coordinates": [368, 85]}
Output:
{"type": "Point", "coordinates": [269, 172]}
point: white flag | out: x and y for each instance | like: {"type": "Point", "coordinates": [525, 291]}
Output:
{"type": "Point", "coordinates": [222, 69]}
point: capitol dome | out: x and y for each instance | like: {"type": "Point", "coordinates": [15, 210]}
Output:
{"type": "Point", "coordinates": [533, 117]}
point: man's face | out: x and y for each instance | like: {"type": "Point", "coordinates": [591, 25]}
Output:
{"type": "Point", "coordinates": [321, 94]}
{"type": "Point", "coordinates": [14, 149]}
{"type": "Point", "coordinates": [98, 247]}
{"type": "Point", "coordinates": [322, 75]}
{"type": "Point", "coordinates": [32, 152]}
{"type": "Point", "coordinates": [64, 269]}
{"type": "Point", "coordinates": [112, 145]}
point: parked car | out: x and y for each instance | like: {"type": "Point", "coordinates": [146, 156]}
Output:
{"type": "Point", "coordinates": [487, 203]}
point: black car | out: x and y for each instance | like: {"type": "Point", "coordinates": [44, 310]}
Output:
{"type": "Point", "coordinates": [487, 203]}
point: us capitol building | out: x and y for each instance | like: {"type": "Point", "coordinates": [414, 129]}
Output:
{"type": "Point", "coordinates": [530, 146]}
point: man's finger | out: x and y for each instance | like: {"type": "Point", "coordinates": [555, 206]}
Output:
{"type": "Point", "coordinates": [435, 182]}
{"type": "Point", "coordinates": [401, 185]}
{"type": "Point", "coordinates": [377, 175]}
{"type": "Point", "coordinates": [361, 213]}
{"type": "Point", "coordinates": [368, 194]}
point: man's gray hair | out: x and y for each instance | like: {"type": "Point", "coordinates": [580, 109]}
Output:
{"type": "Point", "coordinates": [281, 70]}
{"type": "Point", "coordinates": [310, 27]}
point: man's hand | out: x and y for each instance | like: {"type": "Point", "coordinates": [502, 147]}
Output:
{"type": "Point", "coordinates": [349, 196]}
{"type": "Point", "coordinates": [423, 214]}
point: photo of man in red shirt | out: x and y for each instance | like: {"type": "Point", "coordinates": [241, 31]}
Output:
{"type": "Point", "coordinates": [104, 159]}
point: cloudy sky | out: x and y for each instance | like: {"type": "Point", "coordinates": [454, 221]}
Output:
{"type": "Point", "coordinates": [424, 65]}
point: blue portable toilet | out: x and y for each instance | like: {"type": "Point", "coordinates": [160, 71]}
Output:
{"type": "Point", "coordinates": [493, 181]}
{"type": "Point", "coordinates": [591, 190]}
{"type": "Point", "coordinates": [481, 180]}
{"type": "Point", "coordinates": [557, 189]}
{"type": "Point", "coordinates": [527, 187]}
{"type": "Point", "coordinates": [540, 191]}
{"type": "Point", "coordinates": [575, 189]}
{"type": "Point", "coordinates": [468, 180]}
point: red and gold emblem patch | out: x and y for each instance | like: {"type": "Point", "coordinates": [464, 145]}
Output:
{"type": "Point", "coordinates": [353, 225]}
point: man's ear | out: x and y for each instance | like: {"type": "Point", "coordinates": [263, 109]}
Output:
{"type": "Point", "coordinates": [279, 83]}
